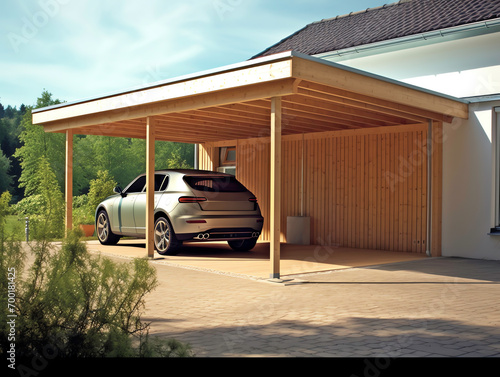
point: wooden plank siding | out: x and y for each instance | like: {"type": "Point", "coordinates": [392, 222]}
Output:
{"type": "Point", "coordinates": [364, 188]}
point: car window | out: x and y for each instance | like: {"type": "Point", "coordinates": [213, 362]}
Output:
{"type": "Point", "coordinates": [161, 182]}
{"type": "Point", "coordinates": [137, 185]}
{"type": "Point", "coordinates": [164, 184]}
{"type": "Point", "coordinates": [215, 184]}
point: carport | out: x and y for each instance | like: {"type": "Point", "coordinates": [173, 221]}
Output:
{"type": "Point", "coordinates": [287, 95]}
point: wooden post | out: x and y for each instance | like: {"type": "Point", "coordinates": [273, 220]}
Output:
{"type": "Point", "coordinates": [275, 217]}
{"type": "Point", "coordinates": [150, 185]}
{"type": "Point", "coordinates": [69, 180]}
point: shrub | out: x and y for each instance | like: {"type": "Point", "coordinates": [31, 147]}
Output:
{"type": "Point", "coordinates": [84, 206]}
{"type": "Point", "coordinates": [100, 188]}
{"type": "Point", "coordinates": [82, 213]}
{"type": "Point", "coordinates": [81, 305]}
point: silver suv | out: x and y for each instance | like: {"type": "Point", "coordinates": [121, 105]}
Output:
{"type": "Point", "coordinates": [190, 206]}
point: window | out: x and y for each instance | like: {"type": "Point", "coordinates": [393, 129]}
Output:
{"type": "Point", "coordinates": [137, 185]}
{"type": "Point", "coordinates": [215, 184]}
{"type": "Point", "coordinates": [227, 156]}
{"type": "Point", "coordinates": [164, 184]}
{"type": "Point", "coordinates": [227, 160]}
{"type": "Point", "coordinates": [161, 182]}
{"type": "Point", "coordinates": [496, 162]}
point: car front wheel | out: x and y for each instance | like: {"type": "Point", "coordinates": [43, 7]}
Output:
{"type": "Point", "coordinates": [165, 241]}
{"type": "Point", "coordinates": [104, 233]}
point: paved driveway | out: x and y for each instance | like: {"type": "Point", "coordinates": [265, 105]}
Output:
{"type": "Point", "coordinates": [444, 307]}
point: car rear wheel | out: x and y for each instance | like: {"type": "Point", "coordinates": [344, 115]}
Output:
{"type": "Point", "coordinates": [165, 241]}
{"type": "Point", "coordinates": [243, 245]}
{"type": "Point", "coordinates": [104, 233]}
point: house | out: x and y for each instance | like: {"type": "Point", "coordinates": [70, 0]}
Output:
{"type": "Point", "coordinates": [447, 46]}
{"type": "Point", "coordinates": [347, 131]}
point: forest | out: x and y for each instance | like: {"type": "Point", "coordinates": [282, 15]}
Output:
{"type": "Point", "coordinates": [28, 156]}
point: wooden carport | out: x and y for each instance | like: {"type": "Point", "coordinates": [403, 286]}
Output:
{"type": "Point", "coordinates": [284, 94]}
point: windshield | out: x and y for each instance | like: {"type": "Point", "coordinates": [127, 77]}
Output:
{"type": "Point", "coordinates": [214, 184]}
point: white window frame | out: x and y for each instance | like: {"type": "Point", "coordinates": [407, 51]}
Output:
{"type": "Point", "coordinates": [496, 164]}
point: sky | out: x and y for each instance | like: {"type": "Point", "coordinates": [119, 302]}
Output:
{"type": "Point", "coordinates": [78, 49]}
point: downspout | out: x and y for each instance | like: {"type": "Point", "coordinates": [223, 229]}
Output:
{"type": "Point", "coordinates": [302, 180]}
{"type": "Point", "coordinates": [429, 188]}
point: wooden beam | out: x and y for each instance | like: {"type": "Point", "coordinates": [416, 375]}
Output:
{"type": "Point", "coordinates": [176, 105]}
{"type": "Point", "coordinates": [150, 184]}
{"type": "Point", "coordinates": [275, 234]}
{"type": "Point", "coordinates": [208, 84]}
{"type": "Point", "coordinates": [334, 109]}
{"type": "Point", "coordinates": [377, 87]}
{"type": "Point", "coordinates": [69, 180]}
{"type": "Point", "coordinates": [365, 103]}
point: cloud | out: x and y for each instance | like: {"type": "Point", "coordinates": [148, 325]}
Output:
{"type": "Point", "coordinates": [99, 47]}
{"type": "Point", "coordinates": [79, 49]}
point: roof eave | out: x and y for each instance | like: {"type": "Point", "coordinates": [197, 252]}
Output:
{"type": "Point", "coordinates": [414, 40]}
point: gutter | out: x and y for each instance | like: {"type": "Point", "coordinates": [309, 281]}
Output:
{"type": "Point", "coordinates": [456, 32]}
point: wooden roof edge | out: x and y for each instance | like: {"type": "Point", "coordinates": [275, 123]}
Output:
{"type": "Point", "coordinates": [287, 65]}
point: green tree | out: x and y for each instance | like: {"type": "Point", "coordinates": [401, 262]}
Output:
{"type": "Point", "coordinates": [176, 161]}
{"type": "Point", "coordinates": [45, 207]}
{"type": "Point", "coordinates": [5, 178]}
{"type": "Point", "coordinates": [5, 199]}
{"type": "Point", "coordinates": [168, 155]}
{"type": "Point", "coordinates": [98, 153]}
{"type": "Point", "coordinates": [9, 142]}
{"type": "Point", "coordinates": [35, 143]}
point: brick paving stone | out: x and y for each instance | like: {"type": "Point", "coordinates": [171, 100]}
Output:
{"type": "Point", "coordinates": [361, 312]}
{"type": "Point", "coordinates": [434, 349]}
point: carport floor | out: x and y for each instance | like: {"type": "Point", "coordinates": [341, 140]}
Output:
{"type": "Point", "coordinates": [294, 259]}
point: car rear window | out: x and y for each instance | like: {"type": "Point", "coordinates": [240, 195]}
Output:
{"type": "Point", "coordinates": [214, 184]}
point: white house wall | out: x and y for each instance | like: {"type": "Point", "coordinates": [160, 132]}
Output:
{"type": "Point", "coordinates": [460, 68]}
{"type": "Point", "coordinates": [468, 187]}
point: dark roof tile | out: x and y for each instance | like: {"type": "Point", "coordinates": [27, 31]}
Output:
{"type": "Point", "coordinates": [407, 17]}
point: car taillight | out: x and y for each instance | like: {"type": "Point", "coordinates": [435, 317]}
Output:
{"type": "Point", "coordinates": [192, 199]}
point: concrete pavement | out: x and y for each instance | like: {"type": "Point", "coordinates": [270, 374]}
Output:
{"type": "Point", "coordinates": [444, 307]}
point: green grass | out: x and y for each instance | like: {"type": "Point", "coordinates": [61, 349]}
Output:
{"type": "Point", "coordinates": [15, 225]}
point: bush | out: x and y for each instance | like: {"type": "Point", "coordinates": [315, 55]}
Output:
{"type": "Point", "coordinates": [82, 213]}
{"type": "Point", "coordinates": [100, 188]}
{"type": "Point", "coordinates": [80, 305]}
{"type": "Point", "coordinates": [84, 206]}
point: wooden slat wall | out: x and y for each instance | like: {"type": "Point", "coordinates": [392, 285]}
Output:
{"type": "Point", "coordinates": [362, 188]}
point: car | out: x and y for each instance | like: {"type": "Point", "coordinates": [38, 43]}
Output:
{"type": "Point", "coordinates": [190, 206]}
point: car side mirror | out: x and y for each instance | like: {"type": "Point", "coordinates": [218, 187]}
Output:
{"type": "Point", "coordinates": [118, 190]}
